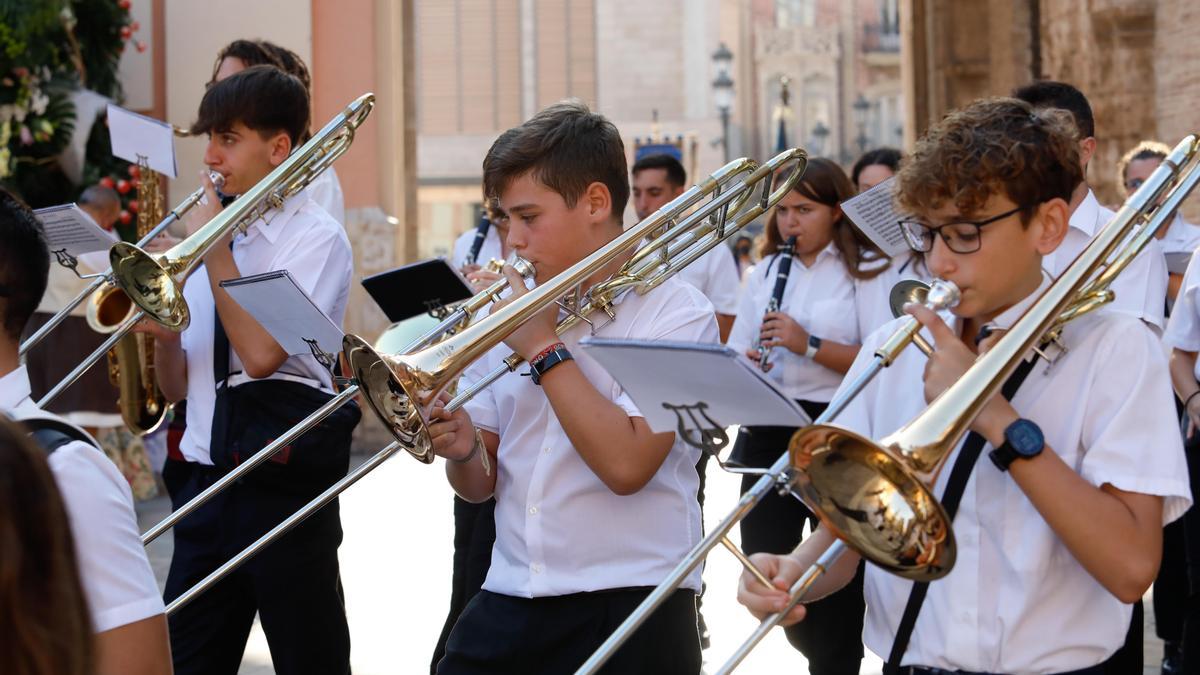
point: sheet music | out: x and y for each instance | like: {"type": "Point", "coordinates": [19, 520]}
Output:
{"type": "Point", "coordinates": [686, 373]}
{"type": "Point", "coordinates": [873, 213]}
{"type": "Point", "coordinates": [278, 303]}
{"type": "Point", "coordinates": [135, 136]}
{"type": "Point", "coordinates": [70, 229]}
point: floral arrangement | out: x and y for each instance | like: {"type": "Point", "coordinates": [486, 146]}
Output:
{"type": "Point", "coordinates": [50, 49]}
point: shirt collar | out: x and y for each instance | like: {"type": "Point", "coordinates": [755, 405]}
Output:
{"type": "Point", "coordinates": [14, 389]}
{"type": "Point", "coordinates": [275, 221]}
{"type": "Point", "coordinates": [1086, 214]}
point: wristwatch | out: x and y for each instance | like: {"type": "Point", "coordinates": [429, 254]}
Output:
{"type": "Point", "coordinates": [1022, 440]}
{"type": "Point", "coordinates": [814, 343]}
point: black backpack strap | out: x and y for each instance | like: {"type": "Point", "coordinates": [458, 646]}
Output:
{"type": "Point", "coordinates": [52, 434]}
{"type": "Point", "coordinates": [960, 473]}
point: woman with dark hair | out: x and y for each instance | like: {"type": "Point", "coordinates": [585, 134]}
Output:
{"type": "Point", "coordinates": [874, 167]}
{"type": "Point", "coordinates": [799, 303]}
{"type": "Point", "coordinates": [47, 629]}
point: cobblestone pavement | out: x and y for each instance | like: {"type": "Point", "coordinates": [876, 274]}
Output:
{"type": "Point", "coordinates": [396, 571]}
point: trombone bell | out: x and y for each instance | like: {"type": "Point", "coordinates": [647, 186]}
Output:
{"type": "Point", "coordinates": [867, 497]}
{"type": "Point", "coordinates": [396, 391]}
{"type": "Point", "coordinates": [149, 284]}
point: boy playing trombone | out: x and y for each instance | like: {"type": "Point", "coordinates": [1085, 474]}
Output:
{"type": "Point", "coordinates": [1059, 530]}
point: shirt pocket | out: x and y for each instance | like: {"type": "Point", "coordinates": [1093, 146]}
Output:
{"type": "Point", "coordinates": [834, 320]}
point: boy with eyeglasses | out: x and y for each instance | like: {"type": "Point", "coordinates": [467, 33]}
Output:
{"type": "Point", "coordinates": [1059, 529]}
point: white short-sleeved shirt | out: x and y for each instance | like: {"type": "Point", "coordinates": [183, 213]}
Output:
{"type": "Point", "coordinates": [872, 297]}
{"type": "Point", "coordinates": [300, 238]}
{"type": "Point", "coordinates": [1181, 236]}
{"type": "Point", "coordinates": [1141, 290]}
{"type": "Point", "coordinates": [821, 299]}
{"type": "Point", "coordinates": [715, 275]}
{"type": "Point", "coordinates": [326, 191]}
{"type": "Point", "coordinates": [1183, 328]}
{"type": "Point", "coordinates": [1016, 600]}
{"type": "Point", "coordinates": [116, 575]}
{"type": "Point", "coordinates": [559, 528]}
{"type": "Point", "coordinates": [489, 250]}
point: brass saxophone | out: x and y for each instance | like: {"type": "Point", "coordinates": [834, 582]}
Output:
{"type": "Point", "coordinates": [131, 362]}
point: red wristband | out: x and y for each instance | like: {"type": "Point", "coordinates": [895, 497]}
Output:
{"type": "Point", "coordinates": [545, 352]}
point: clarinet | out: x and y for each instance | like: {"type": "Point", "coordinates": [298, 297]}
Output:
{"type": "Point", "coordinates": [481, 231]}
{"type": "Point", "coordinates": [781, 277]}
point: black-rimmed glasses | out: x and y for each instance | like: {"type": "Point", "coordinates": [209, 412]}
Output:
{"type": "Point", "coordinates": [960, 237]}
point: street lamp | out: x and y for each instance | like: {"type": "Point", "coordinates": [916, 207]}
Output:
{"type": "Point", "coordinates": [819, 133]}
{"type": "Point", "coordinates": [861, 107]}
{"type": "Point", "coordinates": [723, 91]}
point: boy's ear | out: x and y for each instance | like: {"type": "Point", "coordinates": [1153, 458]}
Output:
{"type": "Point", "coordinates": [1087, 149]}
{"type": "Point", "coordinates": [281, 147]}
{"type": "Point", "coordinates": [1055, 219]}
{"type": "Point", "coordinates": [599, 201]}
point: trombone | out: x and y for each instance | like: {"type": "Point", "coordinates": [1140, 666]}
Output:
{"type": "Point", "coordinates": [154, 283]}
{"type": "Point", "coordinates": [685, 239]}
{"type": "Point", "coordinates": [837, 470]}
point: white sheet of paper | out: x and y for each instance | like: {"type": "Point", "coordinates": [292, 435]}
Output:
{"type": "Point", "coordinates": [687, 373]}
{"type": "Point", "coordinates": [135, 135]}
{"type": "Point", "coordinates": [70, 229]}
{"type": "Point", "coordinates": [278, 303]}
{"type": "Point", "coordinates": [874, 215]}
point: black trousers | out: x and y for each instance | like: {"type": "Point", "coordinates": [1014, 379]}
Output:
{"type": "Point", "coordinates": [474, 536]}
{"type": "Point", "coordinates": [831, 636]}
{"type": "Point", "coordinates": [293, 585]}
{"type": "Point", "coordinates": [500, 634]}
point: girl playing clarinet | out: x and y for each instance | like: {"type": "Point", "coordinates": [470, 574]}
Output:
{"type": "Point", "coordinates": [797, 318]}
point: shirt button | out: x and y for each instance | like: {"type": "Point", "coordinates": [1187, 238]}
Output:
{"type": "Point", "coordinates": [546, 450]}
{"type": "Point", "coordinates": [533, 510]}
{"type": "Point", "coordinates": [536, 568]}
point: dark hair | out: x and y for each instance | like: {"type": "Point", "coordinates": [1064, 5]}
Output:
{"type": "Point", "coordinates": [566, 147]}
{"type": "Point", "coordinates": [263, 98]}
{"type": "Point", "coordinates": [889, 157]}
{"type": "Point", "coordinates": [675, 174]}
{"type": "Point", "coordinates": [825, 183]}
{"type": "Point", "coordinates": [1049, 94]}
{"type": "Point", "coordinates": [24, 264]}
{"type": "Point", "coordinates": [49, 629]}
{"type": "Point", "coordinates": [264, 53]}
{"type": "Point", "coordinates": [992, 146]}
{"type": "Point", "coordinates": [1143, 150]}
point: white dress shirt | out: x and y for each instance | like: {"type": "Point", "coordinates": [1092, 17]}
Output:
{"type": "Point", "coordinates": [872, 297]}
{"type": "Point", "coordinates": [117, 579]}
{"type": "Point", "coordinates": [715, 275]}
{"type": "Point", "coordinates": [559, 528]}
{"type": "Point", "coordinates": [1183, 328]}
{"type": "Point", "coordinates": [300, 238]}
{"type": "Point", "coordinates": [326, 191]}
{"type": "Point", "coordinates": [1181, 236]}
{"type": "Point", "coordinates": [490, 249]}
{"type": "Point", "coordinates": [821, 299]}
{"type": "Point", "coordinates": [1016, 600]}
{"type": "Point", "coordinates": [1141, 290]}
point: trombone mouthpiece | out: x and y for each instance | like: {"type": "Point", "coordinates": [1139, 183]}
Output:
{"type": "Point", "coordinates": [217, 179]}
{"type": "Point", "coordinates": [942, 295]}
{"type": "Point", "coordinates": [521, 265]}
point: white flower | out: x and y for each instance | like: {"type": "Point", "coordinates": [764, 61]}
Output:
{"type": "Point", "coordinates": [38, 102]}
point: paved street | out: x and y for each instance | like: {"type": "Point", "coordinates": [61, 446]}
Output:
{"type": "Point", "coordinates": [396, 571]}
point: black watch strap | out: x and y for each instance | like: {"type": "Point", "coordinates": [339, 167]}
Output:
{"type": "Point", "coordinates": [539, 367]}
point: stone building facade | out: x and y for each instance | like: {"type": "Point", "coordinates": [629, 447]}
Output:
{"type": "Point", "coordinates": [1134, 59]}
